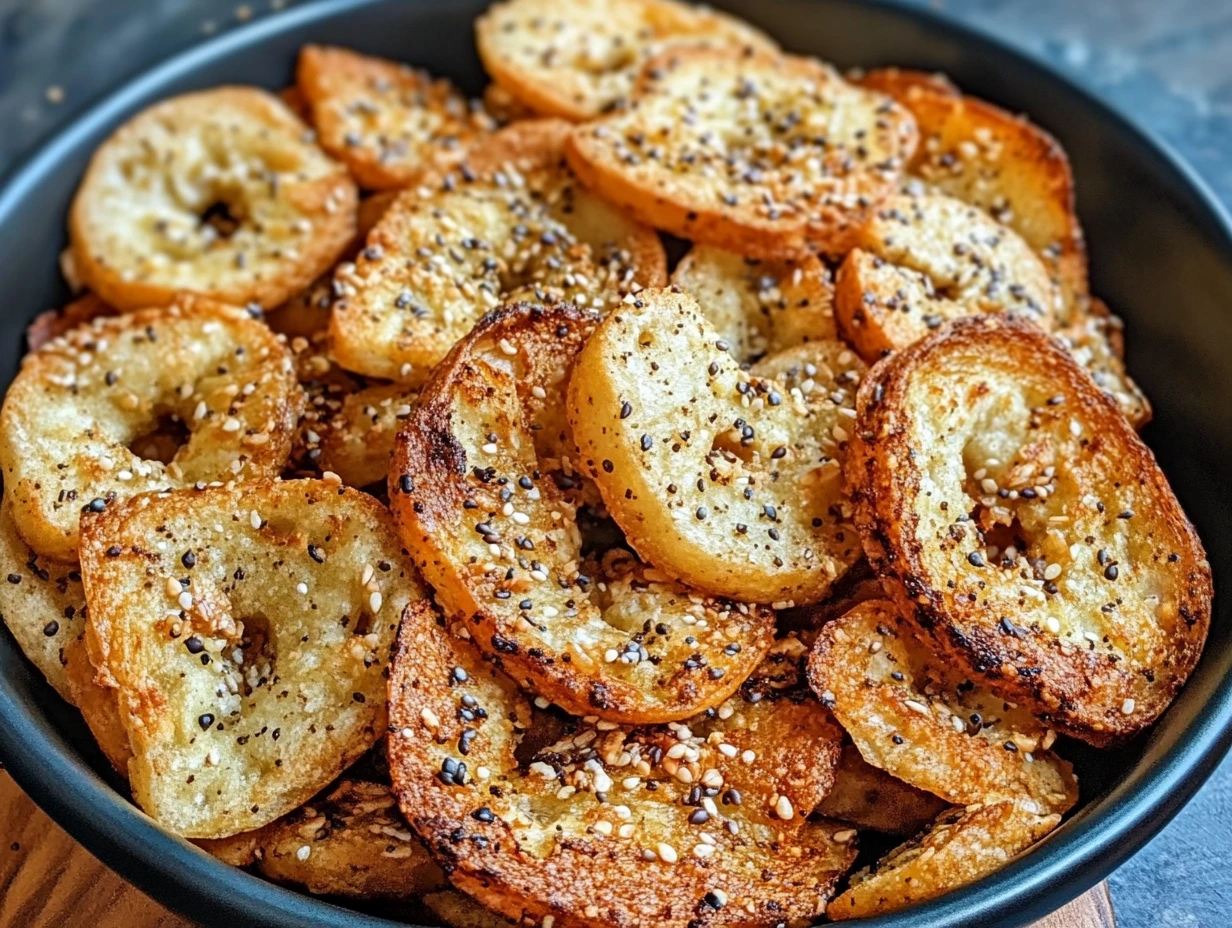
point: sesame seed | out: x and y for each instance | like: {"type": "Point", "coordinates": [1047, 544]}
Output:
{"type": "Point", "coordinates": [1127, 707]}
{"type": "Point", "coordinates": [666, 853]}
{"type": "Point", "coordinates": [303, 853]}
{"type": "Point", "coordinates": [783, 809]}
{"type": "Point", "coordinates": [375, 601]}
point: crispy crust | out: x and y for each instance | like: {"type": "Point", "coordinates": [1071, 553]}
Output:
{"type": "Point", "coordinates": [962, 846]}
{"type": "Point", "coordinates": [581, 60]}
{"type": "Point", "coordinates": [387, 122]}
{"type": "Point", "coordinates": [349, 843]}
{"type": "Point", "coordinates": [903, 708]}
{"type": "Point", "coordinates": [1098, 644]}
{"type": "Point", "coordinates": [536, 841]}
{"type": "Point", "coordinates": [78, 403]}
{"type": "Point", "coordinates": [307, 599]}
{"type": "Point", "coordinates": [846, 154]}
{"type": "Point", "coordinates": [759, 307]}
{"type": "Point", "coordinates": [140, 226]}
{"type": "Point", "coordinates": [725, 479]}
{"type": "Point", "coordinates": [920, 261]}
{"type": "Point", "coordinates": [870, 798]}
{"type": "Point", "coordinates": [516, 225]}
{"type": "Point", "coordinates": [488, 446]}
{"type": "Point", "coordinates": [900, 83]}
{"type": "Point", "coordinates": [1001, 163]}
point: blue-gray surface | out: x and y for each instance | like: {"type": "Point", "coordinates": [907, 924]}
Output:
{"type": "Point", "coordinates": [1168, 64]}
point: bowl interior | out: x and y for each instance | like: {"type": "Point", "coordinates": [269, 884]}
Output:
{"type": "Point", "coordinates": [1161, 255]}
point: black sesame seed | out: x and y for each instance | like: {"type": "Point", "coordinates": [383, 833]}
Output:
{"type": "Point", "coordinates": [647, 442]}
{"type": "Point", "coordinates": [51, 628]}
{"type": "Point", "coordinates": [483, 815]}
{"type": "Point", "coordinates": [14, 578]}
{"type": "Point", "coordinates": [194, 644]}
{"type": "Point", "coordinates": [1111, 572]}
{"type": "Point", "coordinates": [188, 559]}
{"type": "Point", "coordinates": [316, 554]}
{"type": "Point", "coordinates": [702, 512]}
{"type": "Point", "coordinates": [626, 410]}
{"type": "Point", "coordinates": [975, 559]}
{"type": "Point", "coordinates": [114, 551]}
{"type": "Point", "coordinates": [205, 720]}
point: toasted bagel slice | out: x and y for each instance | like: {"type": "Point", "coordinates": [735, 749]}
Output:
{"type": "Point", "coordinates": [867, 797]}
{"type": "Point", "coordinates": [1095, 339]}
{"type": "Point", "coordinates": [1002, 164]}
{"type": "Point", "coordinates": [901, 82]}
{"type": "Point", "coordinates": [962, 846]}
{"type": "Point", "coordinates": [725, 479]}
{"type": "Point", "coordinates": [580, 60]}
{"type": "Point", "coordinates": [350, 842]}
{"type": "Point", "coordinates": [221, 193]}
{"type": "Point", "coordinates": [387, 122]}
{"type": "Point", "coordinates": [609, 825]}
{"type": "Point", "coordinates": [487, 500]}
{"type": "Point", "coordinates": [246, 633]}
{"type": "Point", "coordinates": [75, 420]}
{"type": "Point", "coordinates": [95, 701]}
{"type": "Point", "coordinates": [760, 154]}
{"type": "Point", "coordinates": [1017, 518]}
{"type": "Point", "coordinates": [41, 602]}
{"type": "Point", "coordinates": [512, 223]}
{"type": "Point", "coordinates": [759, 307]}
{"type": "Point", "coordinates": [921, 261]}
{"type": "Point", "coordinates": [912, 716]}
{"type": "Point", "coordinates": [357, 438]}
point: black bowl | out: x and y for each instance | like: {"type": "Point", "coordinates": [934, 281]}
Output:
{"type": "Point", "coordinates": [1161, 250]}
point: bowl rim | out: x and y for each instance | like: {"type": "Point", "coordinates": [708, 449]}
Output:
{"type": "Point", "coordinates": [41, 761]}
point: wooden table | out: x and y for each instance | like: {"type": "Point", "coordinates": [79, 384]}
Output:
{"type": "Point", "coordinates": [47, 880]}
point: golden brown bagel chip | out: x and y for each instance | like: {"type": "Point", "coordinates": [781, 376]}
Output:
{"type": "Point", "coordinates": [921, 261]}
{"type": "Point", "coordinates": [1017, 518]}
{"type": "Point", "coordinates": [387, 122]}
{"type": "Point", "coordinates": [246, 632]}
{"type": "Point", "coordinates": [73, 417]}
{"type": "Point", "coordinates": [1001, 163]}
{"type": "Point", "coordinates": [725, 479]}
{"type": "Point", "coordinates": [358, 439]}
{"type": "Point", "coordinates": [221, 193]}
{"type": "Point", "coordinates": [962, 846]}
{"type": "Point", "coordinates": [511, 223]}
{"type": "Point", "coordinates": [487, 501]}
{"type": "Point", "coordinates": [351, 842]}
{"type": "Point", "coordinates": [870, 798]}
{"type": "Point", "coordinates": [759, 307]}
{"type": "Point", "coordinates": [581, 59]}
{"type": "Point", "coordinates": [760, 154]}
{"type": "Point", "coordinates": [579, 833]}
{"type": "Point", "coordinates": [915, 718]}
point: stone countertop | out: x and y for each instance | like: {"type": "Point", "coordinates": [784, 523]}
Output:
{"type": "Point", "coordinates": [1169, 65]}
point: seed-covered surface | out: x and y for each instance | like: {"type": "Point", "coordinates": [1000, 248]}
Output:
{"type": "Point", "coordinates": [581, 59]}
{"type": "Point", "coordinates": [1017, 518]}
{"type": "Point", "coordinates": [511, 222]}
{"type": "Point", "coordinates": [41, 602]}
{"type": "Point", "coordinates": [387, 122]}
{"type": "Point", "coordinates": [962, 846]}
{"type": "Point", "coordinates": [351, 842]}
{"type": "Point", "coordinates": [917, 719]}
{"type": "Point", "coordinates": [487, 497]}
{"type": "Point", "coordinates": [307, 312]}
{"type": "Point", "coordinates": [609, 826]}
{"type": "Point", "coordinates": [757, 153]}
{"type": "Point", "coordinates": [222, 193]}
{"type": "Point", "coordinates": [1004, 165]}
{"type": "Point", "coordinates": [759, 307]}
{"type": "Point", "coordinates": [870, 798]}
{"type": "Point", "coordinates": [726, 479]}
{"type": "Point", "coordinates": [921, 261]}
{"type": "Point", "coordinates": [247, 633]}
{"type": "Point", "coordinates": [358, 438]}
{"type": "Point", "coordinates": [74, 421]}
